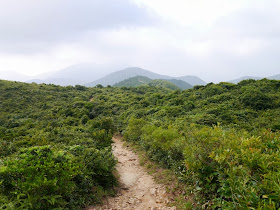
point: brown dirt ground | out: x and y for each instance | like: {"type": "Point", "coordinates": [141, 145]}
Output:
{"type": "Point", "coordinates": [137, 188]}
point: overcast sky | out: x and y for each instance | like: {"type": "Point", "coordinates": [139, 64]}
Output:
{"type": "Point", "coordinates": [217, 40]}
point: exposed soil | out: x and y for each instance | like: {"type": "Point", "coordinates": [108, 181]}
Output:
{"type": "Point", "coordinates": [137, 188]}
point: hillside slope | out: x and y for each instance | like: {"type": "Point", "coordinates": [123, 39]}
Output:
{"type": "Point", "coordinates": [180, 83]}
{"type": "Point", "coordinates": [141, 80]}
{"type": "Point", "coordinates": [133, 82]}
{"type": "Point", "coordinates": [163, 84]}
{"type": "Point", "coordinates": [221, 140]}
{"type": "Point", "coordinates": [192, 80]}
{"type": "Point", "coordinates": [121, 75]}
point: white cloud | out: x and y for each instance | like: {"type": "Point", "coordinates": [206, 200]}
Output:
{"type": "Point", "coordinates": [55, 58]}
{"type": "Point", "coordinates": [30, 65]}
{"type": "Point", "coordinates": [215, 39]}
{"type": "Point", "coordinates": [188, 12]}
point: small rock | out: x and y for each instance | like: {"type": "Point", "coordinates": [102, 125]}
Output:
{"type": "Point", "coordinates": [153, 191]}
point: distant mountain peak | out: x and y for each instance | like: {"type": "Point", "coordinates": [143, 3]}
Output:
{"type": "Point", "coordinates": [235, 81]}
{"type": "Point", "coordinates": [118, 76]}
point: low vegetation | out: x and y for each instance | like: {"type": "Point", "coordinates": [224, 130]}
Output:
{"type": "Point", "coordinates": [222, 140]}
{"type": "Point", "coordinates": [53, 153]}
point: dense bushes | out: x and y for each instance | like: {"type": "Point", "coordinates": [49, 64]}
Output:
{"type": "Point", "coordinates": [222, 140]}
{"type": "Point", "coordinates": [54, 153]}
{"type": "Point", "coordinates": [226, 147]}
{"type": "Point", "coordinates": [40, 179]}
{"type": "Point", "coordinates": [249, 172]}
{"type": "Point", "coordinates": [229, 168]}
{"type": "Point", "coordinates": [256, 99]}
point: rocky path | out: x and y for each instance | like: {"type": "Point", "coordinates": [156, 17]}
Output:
{"type": "Point", "coordinates": [137, 188]}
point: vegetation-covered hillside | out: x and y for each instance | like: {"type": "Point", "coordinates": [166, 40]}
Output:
{"type": "Point", "coordinates": [180, 84]}
{"type": "Point", "coordinates": [173, 84]}
{"type": "Point", "coordinates": [133, 82]}
{"type": "Point", "coordinates": [163, 84]}
{"type": "Point", "coordinates": [222, 140]}
{"type": "Point", "coordinates": [55, 151]}
{"type": "Point", "coordinates": [127, 73]}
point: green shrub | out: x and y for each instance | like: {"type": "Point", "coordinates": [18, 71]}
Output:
{"type": "Point", "coordinates": [40, 178]}
{"type": "Point", "coordinates": [163, 145]}
{"type": "Point", "coordinates": [249, 172]}
{"type": "Point", "coordinates": [256, 99]}
{"type": "Point", "coordinates": [207, 119]}
{"type": "Point", "coordinates": [134, 129]}
{"type": "Point", "coordinates": [233, 166]}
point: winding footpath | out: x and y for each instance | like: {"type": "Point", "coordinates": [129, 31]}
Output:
{"type": "Point", "coordinates": [137, 188]}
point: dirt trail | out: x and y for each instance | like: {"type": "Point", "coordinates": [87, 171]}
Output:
{"type": "Point", "coordinates": [137, 189]}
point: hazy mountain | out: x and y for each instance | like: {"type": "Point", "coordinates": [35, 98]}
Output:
{"type": "Point", "coordinates": [14, 76]}
{"type": "Point", "coordinates": [84, 74]}
{"type": "Point", "coordinates": [121, 75]}
{"type": "Point", "coordinates": [180, 83]}
{"type": "Point", "coordinates": [192, 80]}
{"type": "Point", "coordinates": [235, 81]}
{"type": "Point", "coordinates": [276, 77]}
{"type": "Point", "coordinates": [75, 74]}
{"type": "Point", "coordinates": [56, 81]}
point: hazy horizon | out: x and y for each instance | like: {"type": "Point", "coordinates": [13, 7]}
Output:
{"type": "Point", "coordinates": [217, 41]}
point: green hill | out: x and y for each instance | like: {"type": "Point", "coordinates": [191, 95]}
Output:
{"type": "Point", "coordinates": [141, 80]}
{"type": "Point", "coordinates": [133, 82]}
{"type": "Point", "coordinates": [180, 83]}
{"type": "Point", "coordinates": [221, 140]}
{"type": "Point", "coordinates": [163, 84]}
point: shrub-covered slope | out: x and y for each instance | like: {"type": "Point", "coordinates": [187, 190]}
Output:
{"type": "Point", "coordinates": [141, 80]}
{"type": "Point", "coordinates": [222, 140]}
{"type": "Point", "coordinates": [133, 82]}
{"type": "Point", "coordinates": [53, 153]}
{"type": "Point", "coordinates": [180, 84]}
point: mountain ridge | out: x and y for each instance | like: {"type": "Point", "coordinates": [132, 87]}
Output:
{"type": "Point", "coordinates": [121, 75]}
{"type": "Point", "coordinates": [78, 74]}
{"type": "Point", "coordinates": [273, 77]}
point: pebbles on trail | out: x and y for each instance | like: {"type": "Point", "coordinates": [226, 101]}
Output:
{"type": "Point", "coordinates": [137, 188]}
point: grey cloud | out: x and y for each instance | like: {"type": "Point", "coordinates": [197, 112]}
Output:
{"type": "Point", "coordinates": [218, 66]}
{"type": "Point", "coordinates": [250, 22]}
{"type": "Point", "coordinates": [32, 26]}
{"type": "Point", "coordinates": [42, 22]}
